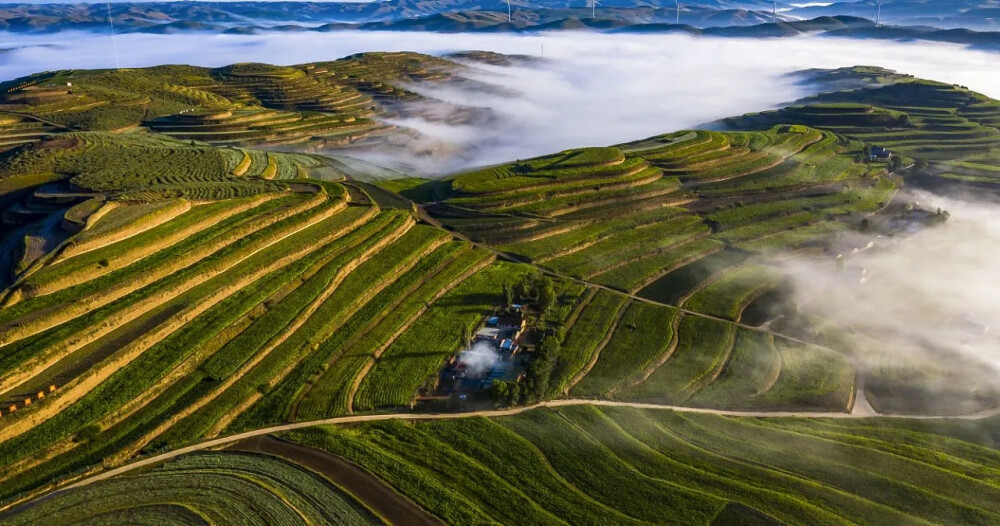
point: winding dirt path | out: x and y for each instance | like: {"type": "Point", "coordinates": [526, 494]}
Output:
{"type": "Point", "coordinates": [217, 443]}
{"type": "Point", "coordinates": [424, 216]}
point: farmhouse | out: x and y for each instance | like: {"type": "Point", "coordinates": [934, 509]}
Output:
{"type": "Point", "coordinates": [879, 153]}
{"type": "Point", "coordinates": [493, 355]}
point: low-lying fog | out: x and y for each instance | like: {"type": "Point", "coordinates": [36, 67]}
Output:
{"type": "Point", "coordinates": [591, 89]}
{"type": "Point", "coordinates": [932, 291]}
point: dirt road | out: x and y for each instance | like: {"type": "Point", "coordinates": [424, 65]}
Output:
{"type": "Point", "coordinates": [354, 419]}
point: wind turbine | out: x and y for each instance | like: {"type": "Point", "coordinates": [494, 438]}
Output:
{"type": "Point", "coordinates": [114, 40]}
{"type": "Point", "coordinates": [774, 12]}
{"type": "Point", "coordinates": [678, 4]}
{"type": "Point", "coordinates": [593, 8]}
{"type": "Point", "coordinates": [878, 11]}
{"type": "Point", "coordinates": [508, 11]}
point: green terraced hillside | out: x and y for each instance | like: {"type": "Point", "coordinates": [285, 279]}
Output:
{"type": "Point", "coordinates": [231, 488]}
{"type": "Point", "coordinates": [671, 216]}
{"type": "Point", "coordinates": [320, 104]}
{"type": "Point", "coordinates": [171, 283]}
{"type": "Point", "coordinates": [951, 133]}
{"type": "Point", "coordinates": [576, 465]}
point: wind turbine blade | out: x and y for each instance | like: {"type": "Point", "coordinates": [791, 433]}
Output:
{"type": "Point", "coordinates": [114, 39]}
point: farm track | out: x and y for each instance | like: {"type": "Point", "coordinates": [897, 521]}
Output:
{"type": "Point", "coordinates": [221, 442]}
{"type": "Point", "coordinates": [427, 218]}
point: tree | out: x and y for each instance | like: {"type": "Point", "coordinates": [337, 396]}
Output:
{"type": "Point", "coordinates": [536, 382]}
{"type": "Point", "coordinates": [499, 393]}
{"type": "Point", "coordinates": [867, 153]}
{"type": "Point", "coordinates": [466, 336]}
{"type": "Point", "coordinates": [895, 163]}
{"type": "Point", "coordinates": [546, 296]}
{"type": "Point", "coordinates": [508, 294]}
{"type": "Point", "coordinates": [523, 288]}
{"type": "Point", "coordinates": [515, 395]}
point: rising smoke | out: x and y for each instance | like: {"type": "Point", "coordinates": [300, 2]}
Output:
{"type": "Point", "coordinates": [479, 359]}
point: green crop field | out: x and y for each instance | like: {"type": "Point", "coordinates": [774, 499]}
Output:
{"type": "Point", "coordinates": [230, 488]}
{"type": "Point", "coordinates": [627, 466]}
{"type": "Point", "coordinates": [580, 464]}
{"type": "Point", "coordinates": [176, 268]}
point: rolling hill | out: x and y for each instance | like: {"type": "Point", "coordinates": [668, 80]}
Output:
{"type": "Point", "coordinates": [322, 104]}
{"type": "Point", "coordinates": [170, 281]}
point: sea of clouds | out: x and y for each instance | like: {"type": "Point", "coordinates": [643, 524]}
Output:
{"type": "Point", "coordinates": [590, 89]}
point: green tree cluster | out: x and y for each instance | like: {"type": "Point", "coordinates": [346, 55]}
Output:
{"type": "Point", "coordinates": [536, 289]}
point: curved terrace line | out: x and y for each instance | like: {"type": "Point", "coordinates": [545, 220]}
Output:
{"type": "Point", "coordinates": [354, 419]}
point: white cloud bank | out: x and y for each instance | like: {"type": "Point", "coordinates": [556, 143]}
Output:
{"type": "Point", "coordinates": [930, 294]}
{"type": "Point", "coordinates": [592, 89]}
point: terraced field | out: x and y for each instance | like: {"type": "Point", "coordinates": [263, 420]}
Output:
{"type": "Point", "coordinates": [952, 132]}
{"type": "Point", "coordinates": [627, 466]}
{"type": "Point", "coordinates": [324, 104]}
{"type": "Point", "coordinates": [637, 216]}
{"type": "Point", "coordinates": [580, 464]}
{"type": "Point", "coordinates": [159, 322]}
{"type": "Point", "coordinates": [231, 488]}
{"type": "Point", "coordinates": [172, 284]}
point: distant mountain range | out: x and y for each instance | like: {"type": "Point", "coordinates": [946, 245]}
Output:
{"type": "Point", "coordinates": [956, 21]}
{"type": "Point", "coordinates": [457, 15]}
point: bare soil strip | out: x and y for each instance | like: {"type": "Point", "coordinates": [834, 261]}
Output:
{"type": "Point", "coordinates": [378, 496]}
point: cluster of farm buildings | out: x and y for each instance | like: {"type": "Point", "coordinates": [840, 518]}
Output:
{"type": "Point", "coordinates": [493, 354]}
